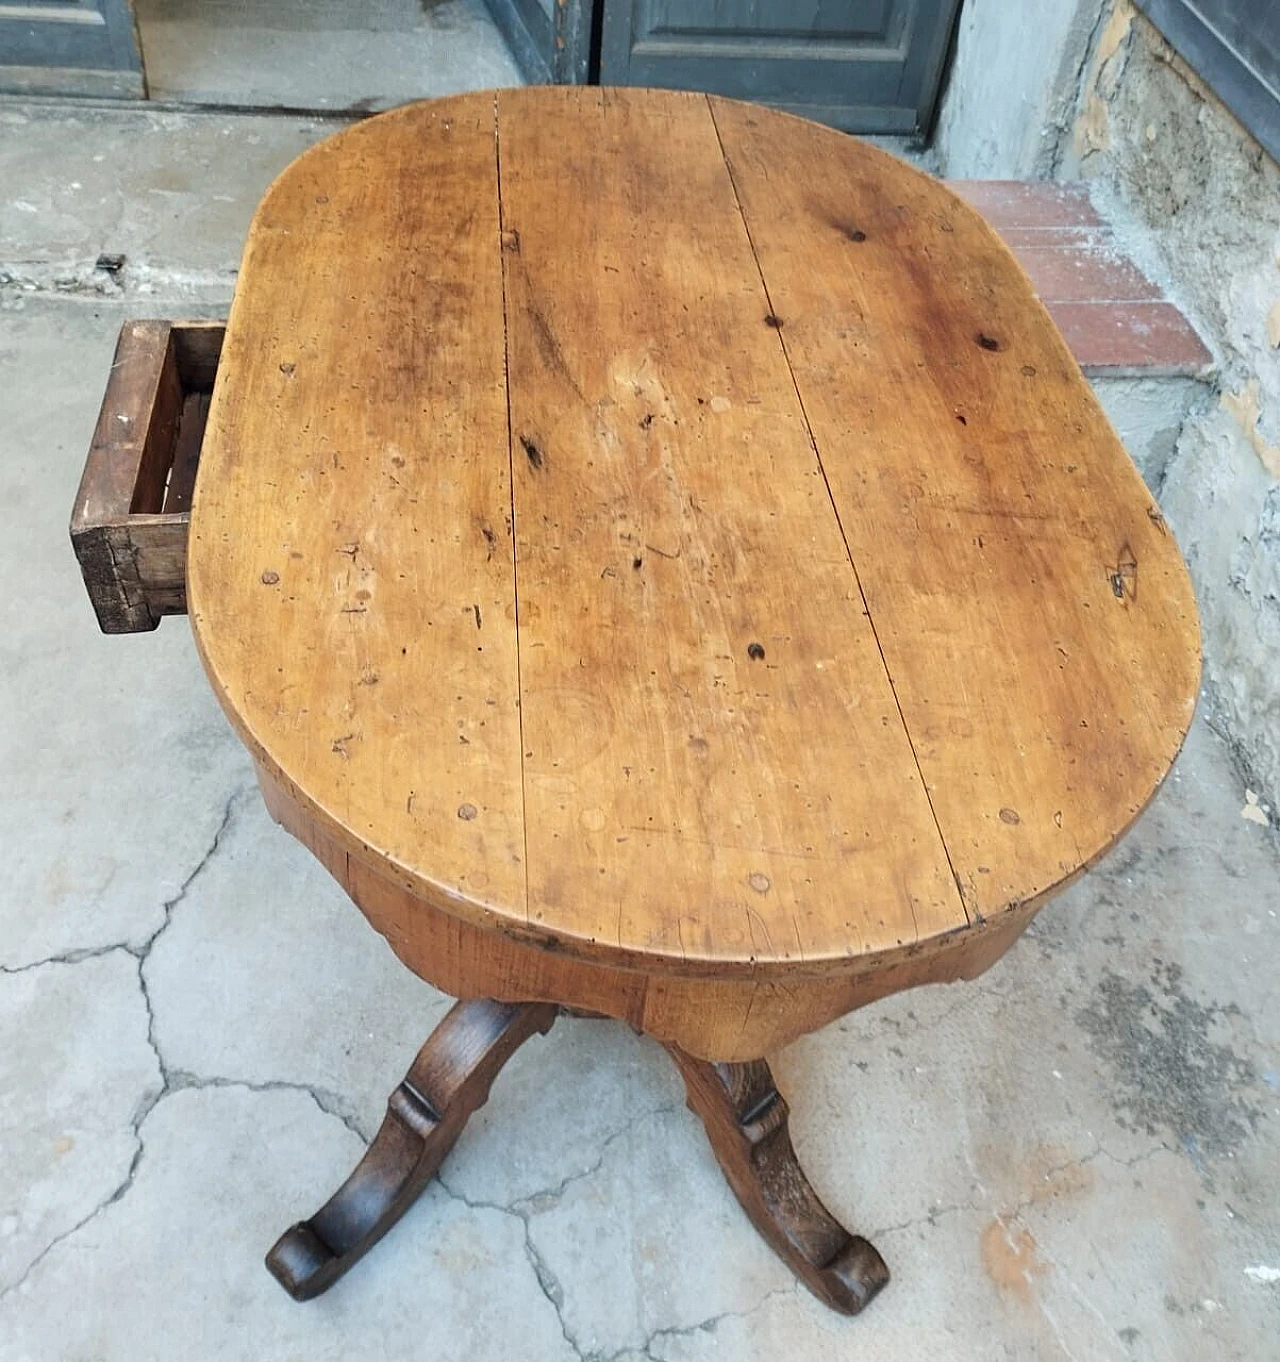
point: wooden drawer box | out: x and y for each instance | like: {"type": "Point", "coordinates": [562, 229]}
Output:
{"type": "Point", "coordinates": [132, 512]}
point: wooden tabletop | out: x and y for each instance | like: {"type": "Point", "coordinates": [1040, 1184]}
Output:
{"type": "Point", "coordinates": [674, 533]}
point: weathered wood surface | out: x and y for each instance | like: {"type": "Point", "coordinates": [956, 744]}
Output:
{"type": "Point", "coordinates": [446, 1084]}
{"type": "Point", "coordinates": [746, 1120]}
{"type": "Point", "coordinates": [130, 533]}
{"type": "Point", "coordinates": [693, 647]}
{"type": "Point", "coordinates": [717, 1015]}
{"type": "Point", "coordinates": [1110, 314]}
{"type": "Point", "coordinates": [1033, 611]}
{"type": "Point", "coordinates": [350, 571]}
{"type": "Point", "coordinates": [846, 630]}
{"type": "Point", "coordinates": [744, 1115]}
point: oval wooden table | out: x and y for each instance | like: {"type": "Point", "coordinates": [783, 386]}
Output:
{"type": "Point", "coordinates": [666, 564]}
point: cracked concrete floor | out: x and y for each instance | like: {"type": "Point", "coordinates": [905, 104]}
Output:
{"type": "Point", "coordinates": [1073, 1157]}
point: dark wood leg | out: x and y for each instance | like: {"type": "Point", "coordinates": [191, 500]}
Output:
{"type": "Point", "coordinates": [448, 1081]}
{"type": "Point", "coordinates": [746, 1121]}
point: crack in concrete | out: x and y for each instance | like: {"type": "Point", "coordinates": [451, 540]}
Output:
{"type": "Point", "coordinates": [1099, 1151]}
{"type": "Point", "coordinates": [550, 1287]}
{"type": "Point", "coordinates": [53, 1243]}
{"type": "Point", "coordinates": [143, 953]}
{"type": "Point", "coordinates": [330, 1103]}
{"type": "Point", "coordinates": [177, 1081]}
{"type": "Point", "coordinates": [1014, 1216]}
{"type": "Point", "coordinates": [548, 1283]}
{"type": "Point", "coordinates": [526, 1208]}
{"type": "Point", "coordinates": [872, 1029]}
{"type": "Point", "coordinates": [167, 1085]}
{"type": "Point", "coordinates": [1243, 766]}
{"type": "Point", "coordinates": [228, 815]}
{"type": "Point", "coordinates": [71, 957]}
{"type": "Point", "coordinates": [538, 1202]}
{"type": "Point", "coordinates": [930, 1217]}
{"type": "Point", "coordinates": [981, 1203]}
{"type": "Point", "coordinates": [707, 1326]}
{"type": "Point", "coordinates": [75, 955]}
{"type": "Point", "coordinates": [1102, 1152]}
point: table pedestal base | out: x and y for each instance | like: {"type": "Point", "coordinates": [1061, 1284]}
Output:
{"type": "Point", "coordinates": [744, 1115]}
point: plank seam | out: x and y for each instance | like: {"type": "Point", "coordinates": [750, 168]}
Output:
{"type": "Point", "coordinates": [511, 488]}
{"type": "Point", "coordinates": [835, 510]}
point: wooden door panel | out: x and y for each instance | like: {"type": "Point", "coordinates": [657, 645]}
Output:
{"type": "Point", "coordinates": [862, 65]}
{"type": "Point", "coordinates": [776, 19]}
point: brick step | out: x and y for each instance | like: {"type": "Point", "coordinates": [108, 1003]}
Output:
{"type": "Point", "coordinates": [1116, 321]}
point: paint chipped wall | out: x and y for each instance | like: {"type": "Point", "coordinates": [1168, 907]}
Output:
{"type": "Point", "coordinates": [1012, 88]}
{"type": "Point", "coordinates": [1151, 134]}
{"type": "Point", "coordinates": [1202, 200]}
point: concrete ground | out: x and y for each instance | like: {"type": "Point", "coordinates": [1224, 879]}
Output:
{"type": "Point", "coordinates": [1074, 1157]}
{"type": "Point", "coordinates": [319, 54]}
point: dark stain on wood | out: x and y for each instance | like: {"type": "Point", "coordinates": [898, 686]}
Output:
{"type": "Point", "coordinates": [1124, 575]}
{"type": "Point", "coordinates": [550, 349]}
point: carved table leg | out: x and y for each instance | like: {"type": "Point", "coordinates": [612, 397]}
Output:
{"type": "Point", "coordinates": [746, 1121]}
{"type": "Point", "coordinates": [448, 1080]}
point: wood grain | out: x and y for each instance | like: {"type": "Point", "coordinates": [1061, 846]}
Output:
{"type": "Point", "coordinates": [445, 1086]}
{"type": "Point", "coordinates": [846, 629]}
{"type": "Point", "coordinates": [1034, 612]}
{"type": "Point", "coordinates": [350, 567]}
{"type": "Point", "coordinates": [692, 643]}
{"type": "Point", "coordinates": [746, 1120]}
{"type": "Point", "coordinates": [713, 1015]}
{"type": "Point", "coordinates": [129, 524]}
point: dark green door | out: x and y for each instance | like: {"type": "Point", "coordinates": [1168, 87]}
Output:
{"type": "Point", "coordinates": [85, 47]}
{"type": "Point", "coordinates": [862, 65]}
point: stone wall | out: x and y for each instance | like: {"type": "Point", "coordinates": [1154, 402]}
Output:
{"type": "Point", "coordinates": [1118, 107]}
{"type": "Point", "coordinates": [1013, 86]}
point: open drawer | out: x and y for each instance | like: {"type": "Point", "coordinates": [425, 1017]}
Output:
{"type": "Point", "coordinates": [132, 512]}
